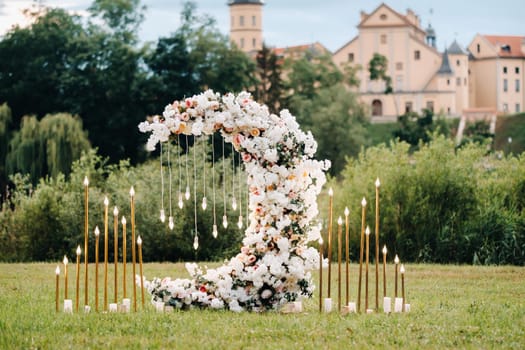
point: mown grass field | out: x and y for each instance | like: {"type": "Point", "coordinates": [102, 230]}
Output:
{"type": "Point", "coordinates": [452, 307]}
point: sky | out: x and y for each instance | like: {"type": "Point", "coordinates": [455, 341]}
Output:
{"type": "Point", "coordinates": [330, 22]}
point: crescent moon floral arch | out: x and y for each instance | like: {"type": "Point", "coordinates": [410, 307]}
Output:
{"type": "Point", "coordinates": [274, 263]}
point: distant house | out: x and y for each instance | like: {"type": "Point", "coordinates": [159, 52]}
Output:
{"type": "Point", "coordinates": [497, 66]}
{"type": "Point", "coordinates": [421, 76]}
{"type": "Point", "coordinates": [246, 24]}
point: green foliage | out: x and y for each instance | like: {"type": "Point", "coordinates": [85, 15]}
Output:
{"type": "Point", "coordinates": [439, 204]}
{"type": "Point", "coordinates": [414, 129]}
{"type": "Point", "coordinates": [319, 99]}
{"type": "Point", "coordinates": [510, 128]}
{"type": "Point", "coordinates": [5, 137]}
{"type": "Point", "coordinates": [377, 67]}
{"type": "Point", "coordinates": [270, 89]}
{"type": "Point", "coordinates": [47, 147]}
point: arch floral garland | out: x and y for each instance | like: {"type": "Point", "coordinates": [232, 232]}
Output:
{"type": "Point", "coordinates": [274, 264]}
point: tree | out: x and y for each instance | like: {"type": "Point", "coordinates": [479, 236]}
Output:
{"type": "Point", "coordinates": [5, 136]}
{"type": "Point", "coordinates": [269, 89]}
{"type": "Point", "coordinates": [319, 98]}
{"type": "Point", "coordinates": [46, 147]}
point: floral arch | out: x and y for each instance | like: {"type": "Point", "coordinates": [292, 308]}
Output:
{"type": "Point", "coordinates": [274, 264]}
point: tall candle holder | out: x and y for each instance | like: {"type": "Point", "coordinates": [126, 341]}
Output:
{"type": "Point", "coordinates": [339, 259]}
{"type": "Point", "coordinates": [347, 256]}
{"type": "Point", "coordinates": [65, 261]}
{"type": "Point", "coordinates": [124, 260]}
{"type": "Point", "coordinates": [133, 247]}
{"type": "Point", "coordinates": [330, 218]}
{"type": "Point", "coordinates": [363, 212]}
{"type": "Point", "coordinates": [139, 243]}
{"type": "Point", "coordinates": [396, 264]}
{"type": "Point", "coordinates": [77, 278]}
{"type": "Point", "coordinates": [86, 220]}
{"type": "Point", "coordinates": [57, 288]}
{"type": "Point", "coordinates": [321, 273]}
{"type": "Point", "coordinates": [115, 252]}
{"type": "Point", "coordinates": [106, 245]}
{"type": "Point", "coordinates": [384, 270]}
{"type": "Point", "coordinates": [97, 234]}
{"type": "Point", "coordinates": [377, 243]}
{"type": "Point", "coordinates": [367, 233]}
{"type": "Point", "coordinates": [402, 271]}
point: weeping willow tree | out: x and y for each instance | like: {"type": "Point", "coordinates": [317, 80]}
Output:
{"type": "Point", "coordinates": [47, 147]}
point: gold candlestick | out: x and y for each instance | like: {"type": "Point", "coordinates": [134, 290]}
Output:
{"type": "Point", "coordinates": [321, 273]}
{"type": "Point", "coordinates": [124, 257]}
{"type": "Point", "coordinates": [115, 253]}
{"type": "Point", "coordinates": [363, 211]}
{"type": "Point", "coordinates": [402, 270]}
{"type": "Point", "coordinates": [65, 261]}
{"type": "Point", "coordinates": [367, 233]}
{"type": "Point", "coordinates": [86, 220]}
{"type": "Point", "coordinates": [384, 271]}
{"type": "Point", "coordinates": [330, 218]}
{"type": "Point", "coordinates": [57, 292]}
{"type": "Point", "coordinates": [396, 263]}
{"type": "Point", "coordinates": [139, 243]}
{"type": "Point", "coordinates": [377, 243]}
{"type": "Point", "coordinates": [339, 259]}
{"type": "Point", "coordinates": [106, 244]}
{"type": "Point", "coordinates": [347, 260]}
{"type": "Point", "coordinates": [78, 277]}
{"type": "Point", "coordinates": [97, 234]}
{"type": "Point", "coordinates": [133, 248]}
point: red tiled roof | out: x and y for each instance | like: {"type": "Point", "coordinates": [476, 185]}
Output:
{"type": "Point", "coordinates": [507, 45]}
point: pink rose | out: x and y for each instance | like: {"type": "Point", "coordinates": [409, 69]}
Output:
{"type": "Point", "coordinates": [246, 157]}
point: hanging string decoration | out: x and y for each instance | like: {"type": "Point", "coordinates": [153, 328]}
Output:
{"type": "Point", "coordinates": [214, 231]}
{"type": "Point", "coordinates": [274, 264]}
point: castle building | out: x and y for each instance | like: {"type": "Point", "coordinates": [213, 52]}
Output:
{"type": "Point", "coordinates": [246, 24]}
{"type": "Point", "coordinates": [421, 76]}
{"type": "Point", "coordinates": [497, 72]}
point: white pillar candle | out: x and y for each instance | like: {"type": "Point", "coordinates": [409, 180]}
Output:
{"type": "Point", "coordinates": [387, 305]}
{"type": "Point", "coordinates": [327, 304]}
{"type": "Point", "coordinates": [87, 309]}
{"type": "Point", "coordinates": [113, 307]}
{"type": "Point", "coordinates": [369, 311]}
{"type": "Point", "coordinates": [407, 307]}
{"type": "Point", "coordinates": [126, 304]}
{"type": "Point", "coordinates": [298, 306]}
{"type": "Point", "coordinates": [68, 306]}
{"type": "Point", "coordinates": [398, 305]}
{"type": "Point", "coordinates": [352, 306]}
{"type": "Point", "coordinates": [159, 306]}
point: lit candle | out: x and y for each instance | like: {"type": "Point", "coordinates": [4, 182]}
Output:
{"type": "Point", "coordinates": [106, 244]}
{"type": "Point", "coordinates": [363, 211]}
{"type": "Point", "coordinates": [367, 233]}
{"type": "Point", "coordinates": [133, 248]}
{"type": "Point", "coordinates": [115, 253]}
{"type": "Point", "coordinates": [86, 219]}
{"type": "Point", "coordinates": [402, 270]}
{"type": "Point", "coordinates": [377, 243]}
{"type": "Point", "coordinates": [347, 260]}
{"type": "Point", "coordinates": [97, 234]}
{"type": "Point", "coordinates": [124, 256]}
{"type": "Point", "coordinates": [78, 277]}
{"type": "Point", "coordinates": [339, 258]}
{"type": "Point", "coordinates": [396, 263]}
{"type": "Point", "coordinates": [139, 243]}
{"type": "Point", "coordinates": [321, 273]}
{"type": "Point", "coordinates": [331, 197]}
{"type": "Point", "coordinates": [384, 271]}
{"type": "Point", "coordinates": [65, 261]}
{"type": "Point", "coordinates": [57, 272]}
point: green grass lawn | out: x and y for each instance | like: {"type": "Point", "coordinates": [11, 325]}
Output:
{"type": "Point", "coordinates": [452, 307]}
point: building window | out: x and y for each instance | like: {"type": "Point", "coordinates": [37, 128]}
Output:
{"type": "Point", "coordinates": [254, 43]}
{"type": "Point", "coordinates": [448, 110]}
{"type": "Point", "coordinates": [399, 66]}
{"type": "Point", "coordinates": [430, 106]}
{"type": "Point", "coordinates": [408, 107]}
{"type": "Point", "coordinates": [517, 85]}
{"type": "Point", "coordinates": [242, 43]}
{"type": "Point", "coordinates": [517, 70]}
{"type": "Point", "coordinates": [517, 107]}
{"type": "Point", "coordinates": [383, 17]}
{"type": "Point", "coordinates": [505, 85]}
{"type": "Point", "coordinates": [254, 21]}
{"type": "Point", "coordinates": [458, 63]}
{"type": "Point", "coordinates": [351, 57]}
{"type": "Point", "coordinates": [458, 81]}
{"type": "Point", "coordinates": [504, 70]}
{"type": "Point", "coordinates": [448, 82]}
{"type": "Point", "coordinates": [417, 55]}
{"type": "Point", "coordinates": [241, 21]}
{"type": "Point", "coordinates": [377, 107]}
{"type": "Point", "coordinates": [383, 38]}
{"type": "Point", "coordinates": [505, 107]}
{"type": "Point", "coordinates": [399, 82]}
{"type": "Point", "coordinates": [478, 48]}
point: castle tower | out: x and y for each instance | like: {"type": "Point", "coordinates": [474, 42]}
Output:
{"type": "Point", "coordinates": [246, 24]}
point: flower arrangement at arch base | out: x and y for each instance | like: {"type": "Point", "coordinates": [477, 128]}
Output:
{"type": "Point", "coordinates": [274, 264]}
